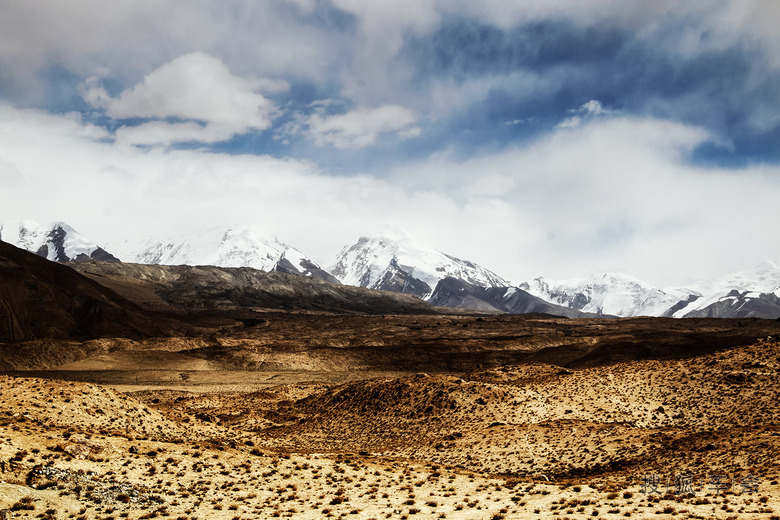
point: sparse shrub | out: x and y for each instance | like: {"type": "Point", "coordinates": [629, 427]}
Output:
{"type": "Point", "coordinates": [24, 504]}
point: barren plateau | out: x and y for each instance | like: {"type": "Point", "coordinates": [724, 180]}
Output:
{"type": "Point", "coordinates": [256, 412]}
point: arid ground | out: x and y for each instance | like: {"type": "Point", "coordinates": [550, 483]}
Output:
{"type": "Point", "coordinates": [316, 415]}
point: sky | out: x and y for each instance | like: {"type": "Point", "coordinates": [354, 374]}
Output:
{"type": "Point", "coordinates": [536, 137]}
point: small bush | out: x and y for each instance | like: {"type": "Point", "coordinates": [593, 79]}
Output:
{"type": "Point", "coordinates": [24, 504]}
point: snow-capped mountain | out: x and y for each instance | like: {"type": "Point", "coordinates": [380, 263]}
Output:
{"type": "Point", "coordinates": [222, 247]}
{"type": "Point", "coordinates": [404, 265]}
{"type": "Point", "coordinates": [451, 292]}
{"type": "Point", "coordinates": [611, 293]}
{"type": "Point", "coordinates": [54, 241]}
{"type": "Point", "coordinates": [753, 293]}
{"type": "Point", "coordinates": [401, 264]}
{"type": "Point", "coordinates": [744, 294]}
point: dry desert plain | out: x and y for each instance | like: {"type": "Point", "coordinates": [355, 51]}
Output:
{"type": "Point", "coordinates": [318, 415]}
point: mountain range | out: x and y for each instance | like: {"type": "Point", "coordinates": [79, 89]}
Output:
{"type": "Point", "coordinates": [746, 294]}
{"type": "Point", "coordinates": [403, 265]}
{"type": "Point", "coordinates": [222, 247]}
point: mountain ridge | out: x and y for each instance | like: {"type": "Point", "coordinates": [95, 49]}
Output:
{"type": "Point", "coordinates": [453, 292]}
{"type": "Point", "coordinates": [405, 265]}
{"type": "Point", "coordinates": [207, 288]}
{"type": "Point", "coordinates": [42, 299]}
{"type": "Point", "coordinates": [397, 263]}
{"type": "Point", "coordinates": [743, 294]}
{"type": "Point", "coordinates": [223, 247]}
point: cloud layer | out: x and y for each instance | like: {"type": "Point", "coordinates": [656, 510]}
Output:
{"type": "Point", "coordinates": [621, 195]}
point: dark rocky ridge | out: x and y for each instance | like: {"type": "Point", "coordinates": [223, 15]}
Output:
{"type": "Point", "coordinates": [452, 292]}
{"type": "Point", "coordinates": [42, 299]}
{"type": "Point", "coordinates": [739, 305]}
{"type": "Point", "coordinates": [398, 279]}
{"type": "Point", "coordinates": [307, 268]}
{"type": "Point", "coordinates": [200, 288]}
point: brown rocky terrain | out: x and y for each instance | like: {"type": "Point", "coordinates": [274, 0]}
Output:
{"type": "Point", "coordinates": [227, 410]}
{"type": "Point", "coordinates": [295, 341]}
{"type": "Point", "coordinates": [199, 288]}
{"type": "Point", "coordinates": [42, 299]}
{"type": "Point", "coordinates": [514, 441]}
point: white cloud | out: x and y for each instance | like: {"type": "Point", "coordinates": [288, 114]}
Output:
{"type": "Point", "coordinates": [111, 191]}
{"type": "Point", "coordinates": [93, 92]}
{"type": "Point", "coordinates": [299, 40]}
{"type": "Point", "coordinates": [160, 133]}
{"type": "Point", "coordinates": [592, 108]}
{"type": "Point", "coordinates": [197, 88]}
{"type": "Point", "coordinates": [614, 194]}
{"type": "Point", "coordinates": [132, 37]}
{"type": "Point", "coordinates": [360, 127]}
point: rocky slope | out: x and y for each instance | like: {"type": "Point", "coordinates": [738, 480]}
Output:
{"type": "Point", "coordinates": [452, 292]}
{"type": "Point", "coordinates": [197, 288]}
{"type": "Point", "coordinates": [42, 299]}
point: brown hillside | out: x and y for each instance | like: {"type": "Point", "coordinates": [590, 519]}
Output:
{"type": "Point", "coordinates": [42, 299]}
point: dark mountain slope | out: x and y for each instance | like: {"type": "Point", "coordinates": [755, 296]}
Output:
{"type": "Point", "coordinates": [42, 299]}
{"type": "Point", "coordinates": [452, 292]}
{"type": "Point", "coordinates": [742, 304]}
{"type": "Point", "coordinates": [200, 288]}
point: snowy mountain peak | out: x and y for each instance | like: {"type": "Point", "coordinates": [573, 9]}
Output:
{"type": "Point", "coordinates": [223, 247]}
{"type": "Point", "coordinates": [752, 293]}
{"type": "Point", "coordinates": [607, 293]}
{"type": "Point", "coordinates": [764, 278]}
{"type": "Point", "coordinates": [402, 264]}
{"type": "Point", "coordinates": [732, 292]}
{"type": "Point", "coordinates": [56, 241]}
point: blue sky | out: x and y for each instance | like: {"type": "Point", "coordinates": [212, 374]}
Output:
{"type": "Point", "coordinates": [551, 137]}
